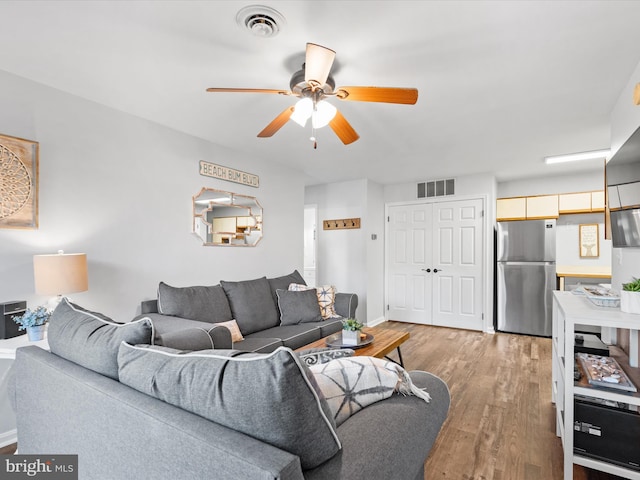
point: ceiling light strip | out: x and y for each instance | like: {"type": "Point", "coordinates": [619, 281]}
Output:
{"type": "Point", "coordinates": [575, 157]}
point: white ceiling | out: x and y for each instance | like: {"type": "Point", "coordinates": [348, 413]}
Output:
{"type": "Point", "coordinates": [502, 84]}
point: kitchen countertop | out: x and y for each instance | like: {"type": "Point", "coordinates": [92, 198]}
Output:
{"type": "Point", "coordinates": [584, 271]}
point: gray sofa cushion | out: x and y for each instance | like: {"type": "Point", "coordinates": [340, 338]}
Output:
{"type": "Point", "coordinates": [292, 336]}
{"type": "Point", "coordinates": [298, 307]}
{"type": "Point", "coordinates": [251, 304]}
{"type": "Point", "coordinates": [331, 326]}
{"type": "Point", "coordinates": [258, 344]}
{"type": "Point", "coordinates": [283, 282]}
{"type": "Point", "coordinates": [205, 304]}
{"type": "Point", "coordinates": [92, 340]}
{"type": "Point", "coordinates": [288, 413]}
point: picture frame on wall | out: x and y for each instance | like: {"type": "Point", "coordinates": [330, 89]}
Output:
{"type": "Point", "coordinates": [589, 241]}
{"type": "Point", "coordinates": [19, 177]}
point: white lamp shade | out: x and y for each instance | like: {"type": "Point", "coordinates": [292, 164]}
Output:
{"type": "Point", "coordinates": [302, 111]}
{"type": "Point", "coordinates": [323, 114]}
{"type": "Point", "coordinates": [318, 63]}
{"type": "Point", "coordinates": [60, 274]}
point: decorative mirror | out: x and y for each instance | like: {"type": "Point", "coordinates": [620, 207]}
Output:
{"type": "Point", "coordinates": [225, 218]}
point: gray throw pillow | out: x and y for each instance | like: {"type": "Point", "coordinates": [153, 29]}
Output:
{"type": "Point", "coordinates": [282, 283]}
{"type": "Point", "coordinates": [205, 304]}
{"type": "Point", "coordinates": [251, 304]}
{"type": "Point", "coordinates": [298, 307]}
{"type": "Point", "coordinates": [271, 397]}
{"type": "Point", "coordinates": [92, 340]}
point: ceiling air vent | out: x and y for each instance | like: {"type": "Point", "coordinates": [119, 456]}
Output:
{"type": "Point", "coordinates": [261, 21]}
{"type": "Point", "coordinates": [437, 188]}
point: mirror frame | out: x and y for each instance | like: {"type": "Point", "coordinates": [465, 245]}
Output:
{"type": "Point", "coordinates": [245, 202]}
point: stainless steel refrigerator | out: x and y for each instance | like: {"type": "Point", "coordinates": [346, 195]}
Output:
{"type": "Point", "coordinates": [525, 276]}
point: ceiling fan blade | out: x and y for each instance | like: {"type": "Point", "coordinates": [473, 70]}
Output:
{"type": "Point", "coordinates": [277, 123]}
{"type": "Point", "coordinates": [407, 96]}
{"type": "Point", "coordinates": [343, 129]}
{"type": "Point", "coordinates": [249, 90]}
{"type": "Point", "coordinates": [318, 63]}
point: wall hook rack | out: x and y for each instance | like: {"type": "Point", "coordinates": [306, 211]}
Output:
{"type": "Point", "coordinates": [341, 224]}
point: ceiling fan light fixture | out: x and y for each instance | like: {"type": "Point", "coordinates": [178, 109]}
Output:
{"type": "Point", "coordinates": [302, 111]}
{"type": "Point", "coordinates": [323, 114]}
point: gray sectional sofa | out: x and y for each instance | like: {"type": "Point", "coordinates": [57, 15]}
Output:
{"type": "Point", "coordinates": [129, 409]}
{"type": "Point", "coordinates": [266, 321]}
{"type": "Point", "coordinates": [120, 433]}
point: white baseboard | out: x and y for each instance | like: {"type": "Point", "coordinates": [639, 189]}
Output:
{"type": "Point", "coordinates": [9, 437]}
{"type": "Point", "coordinates": [376, 322]}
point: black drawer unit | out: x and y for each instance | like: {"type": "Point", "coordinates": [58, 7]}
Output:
{"type": "Point", "coordinates": [9, 310]}
{"type": "Point", "coordinates": [605, 432]}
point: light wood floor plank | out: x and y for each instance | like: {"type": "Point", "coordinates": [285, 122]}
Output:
{"type": "Point", "coordinates": [501, 424]}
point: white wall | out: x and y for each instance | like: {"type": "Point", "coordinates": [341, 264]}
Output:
{"type": "Point", "coordinates": [342, 254]}
{"type": "Point", "coordinates": [374, 226]}
{"type": "Point", "coordinates": [567, 237]}
{"type": "Point", "coordinates": [119, 189]}
{"type": "Point", "coordinates": [625, 119]}
{"type": "Point", "coordinates": [583, 182]}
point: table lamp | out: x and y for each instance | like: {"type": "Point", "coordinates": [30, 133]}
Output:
{"type": "Point", "coordinates": [60, 274]}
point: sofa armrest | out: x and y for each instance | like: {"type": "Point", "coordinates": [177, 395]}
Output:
{"type": "Point", "coordinates": [346, 304]}
{"type": "Point", "coordinates": [171, 329]}
{"type": "Point", "coordinates": [149, 306]}
{"type": "Point", "coordinates": [197, 338]}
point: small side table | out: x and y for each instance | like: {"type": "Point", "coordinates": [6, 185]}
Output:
{"type": "Point", "coordinates": [8, 432]}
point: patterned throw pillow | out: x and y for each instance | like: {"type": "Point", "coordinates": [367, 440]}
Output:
{"type": "Point", "coordinates": [350, 384]}
{"type": "Point", "coordinates": [326, 298]}
{"type": "Point", "coordinates": [232, 325]}
{"type": "Point", "coordinates": [317, 356]}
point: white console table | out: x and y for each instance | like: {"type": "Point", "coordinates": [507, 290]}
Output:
{"type": "Point", "coordinates": [569, 310]}
{"type": "Point", "coordinates": [8, 433]}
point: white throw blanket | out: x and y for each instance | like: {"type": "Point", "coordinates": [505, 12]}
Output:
{"type": "Point", "coordinates": [350, 384]}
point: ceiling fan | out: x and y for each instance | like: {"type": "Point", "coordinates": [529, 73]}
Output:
{"type": "Point", "coordinates": [313, 85]}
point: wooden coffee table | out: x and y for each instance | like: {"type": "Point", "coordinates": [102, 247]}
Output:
{"type": "Point", "coordinates": [384, 342]}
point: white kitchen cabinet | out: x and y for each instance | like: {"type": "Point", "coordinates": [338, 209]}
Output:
{"type": "Point", "coordinates": [574, 202]}
{"type": "Point", "coordinates": [542, 206]}
{"type": "Point", "coordinates": [597, 201]}
{"type": "Point", "coordinates": [511, 208]}
{"type": "Point", "coordinates": [569, 310]}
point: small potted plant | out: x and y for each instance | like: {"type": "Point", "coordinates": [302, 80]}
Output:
{"type": "Point", "coordinates": [630, 297]}
{"type": "Point", "coordinates": [34, 322]}
{"type": "Point", "coordinates": [351, 331]}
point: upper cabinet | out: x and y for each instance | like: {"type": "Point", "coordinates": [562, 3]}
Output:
{"type": "Point", "coordinates": [511, 208]}
{"type": "Point", "coordinates": [543, 206]}
{"type": "Point", "coordinates": [575, 202]}
{"type": "Point", "coordinates": [548, 206]}
{"type": "Point", "coordinates": [583, 202]}
{"type": "Point", "coordinates": [597, 201]}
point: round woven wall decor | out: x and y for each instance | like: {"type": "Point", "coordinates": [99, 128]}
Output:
{"type": "Point", "coordinates": [15, 183]}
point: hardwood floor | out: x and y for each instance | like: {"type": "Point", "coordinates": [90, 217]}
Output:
{"type": "Point", "coordinates": [8, 450]}
{"type": "Point", "coordinates": [501, 423]}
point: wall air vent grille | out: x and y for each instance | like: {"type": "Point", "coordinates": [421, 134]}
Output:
{"type": "Point", "coordinates": [437, 188]}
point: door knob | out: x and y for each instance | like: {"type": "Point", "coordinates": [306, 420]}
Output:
{"type": "Point", "coordinates": [435, 270]}
{"type": "Point", "coordinates": [428, 270]}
